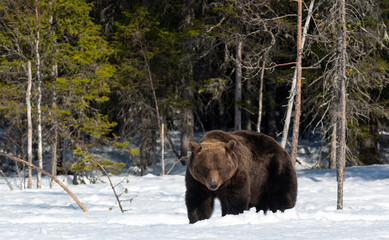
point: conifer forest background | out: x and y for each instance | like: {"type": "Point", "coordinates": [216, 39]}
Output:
{"type": "Point", "coordinates": [120, 74]}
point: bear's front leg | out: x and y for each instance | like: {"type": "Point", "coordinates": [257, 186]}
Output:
{"type": "Point", "coordinates": [199, 200]}
{"type": "Point", "coordinates": [235, 201]}
{"type": "Point", "coordinates": [199, 208]}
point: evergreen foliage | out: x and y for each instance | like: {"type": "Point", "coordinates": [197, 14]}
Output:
{"type": "Point", "coordinates": [98, 58]}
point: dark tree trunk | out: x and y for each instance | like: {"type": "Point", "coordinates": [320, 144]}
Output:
{"type": "Point", "coordinates": [333, 128]}
{"type": "Point", "coordinates": [187, 131]}
{"type": "Point", "coordinates": [270, 121]}
{"type": "Point", "coordinates": [146, 4]}
{"type": "Point", "coordinates": [368, 143]}
{"type": "Point", "coordinates": [249, 102]}
{"type": "Point", "coordinates": [238, 85]}
{"type": "Point", "coordinates": [187, 125]}
{"type": "Point", "coordinates": [147, 142]}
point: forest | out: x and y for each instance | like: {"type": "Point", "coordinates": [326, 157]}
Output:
{"type": "Point", "coordinates": [80, 74]}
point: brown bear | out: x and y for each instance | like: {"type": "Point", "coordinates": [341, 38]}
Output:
{"type": "Point", "coordinates": [243, 169]}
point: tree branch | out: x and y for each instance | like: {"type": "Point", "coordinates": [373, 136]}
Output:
{"type": "Point", "coordinates": [175, 163]}
{"type": "Point", "coordinates": [5, 178]}
{"type": "Point", "coordinates": [49, 175]}
{"type": "Point", "coordinates": [112, 186]}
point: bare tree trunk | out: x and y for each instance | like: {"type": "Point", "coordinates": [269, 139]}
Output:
{"type": "Point", "coordinates": [54, 143]}
{"type": "Point", "coordinates": [163, 148]}
{"type": "Point", "coordinates": [293, 88]}
{"type": "Point", "coordinates": [341, 99]}
{"type": "Point", "coordinates": [297, 110]}
{"type": "Point", "coordinates": [238, 85]}
{"type": "Point", "coordinates": [333, 141]}
{"type": "Point", "coordinates": [29, 125]}
{"type": "Point", "coordinates": [260, 98]}
{"type": "Point", "coordinates": [54, 75]}
{"type": "Point", "coordinates": [38, 73]}
{"type": "Point", "coordinates": [54, 155]}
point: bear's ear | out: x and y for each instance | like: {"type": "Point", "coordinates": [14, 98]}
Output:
{"type": "Point", "coordinates": [230, 145]}
{"type": "Point", "coordinates": [194, 147]}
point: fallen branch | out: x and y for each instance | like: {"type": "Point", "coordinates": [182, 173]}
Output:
{"type": "Point", "coordinates": [169, 139]}
{"type": "Point", "coordinates": [47, 174]}
{"type": "Point", "coordinates": [112, 186]}
{"type": "Point", "coordinates": [174, 164]}
{"type": "Point", "coordinates": [5, 177]}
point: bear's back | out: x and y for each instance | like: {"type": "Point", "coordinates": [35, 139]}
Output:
{"type": "Point", "coordinates": [258, 142]}
{"type": "Point", "coordinates": [218, 136]}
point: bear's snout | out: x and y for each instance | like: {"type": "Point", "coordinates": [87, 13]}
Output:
{"type": "Point", "coordinates": [213, 184]}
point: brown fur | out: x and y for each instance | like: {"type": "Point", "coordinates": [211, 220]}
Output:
{"type": "Point", "coordinates": [243, 169]}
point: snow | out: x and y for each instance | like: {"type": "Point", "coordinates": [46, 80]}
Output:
{"type": "Point", "coordinates": [157, 210]}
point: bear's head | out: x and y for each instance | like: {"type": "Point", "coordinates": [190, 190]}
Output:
{"type": "Point", "coordinates": [212, 163]}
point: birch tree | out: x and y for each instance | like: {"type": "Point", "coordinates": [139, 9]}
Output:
{"type": "Point", "coordinates": [17, 37]}
{"type": "Point", "coordinates": [54, 74]}
{"type": "Point", "coordinates": [29, 124]}
{"type": "Point", "coordinates": [260, 95]}
{"type": "Point", "coordinates": [39, 103]}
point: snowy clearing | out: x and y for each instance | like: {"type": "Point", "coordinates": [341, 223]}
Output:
{"type": "Point", "coordinates": [158, 211]}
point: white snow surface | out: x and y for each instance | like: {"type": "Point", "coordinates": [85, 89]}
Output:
{"type": "Point", "coordinates": [158, 210]}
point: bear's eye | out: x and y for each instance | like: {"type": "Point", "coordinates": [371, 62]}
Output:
{"type": "Point", "coordinates": [198, 171]}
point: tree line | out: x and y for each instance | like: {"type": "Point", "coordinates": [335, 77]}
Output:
{"type": "Point", "coordinates": [103, 72]}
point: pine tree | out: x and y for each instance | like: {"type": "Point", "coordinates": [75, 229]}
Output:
{"type": "Point", "coordinates": [69, 42]}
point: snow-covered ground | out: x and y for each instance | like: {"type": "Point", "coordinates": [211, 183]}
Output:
{"type": "Point", "coordinates": [158, 210]}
